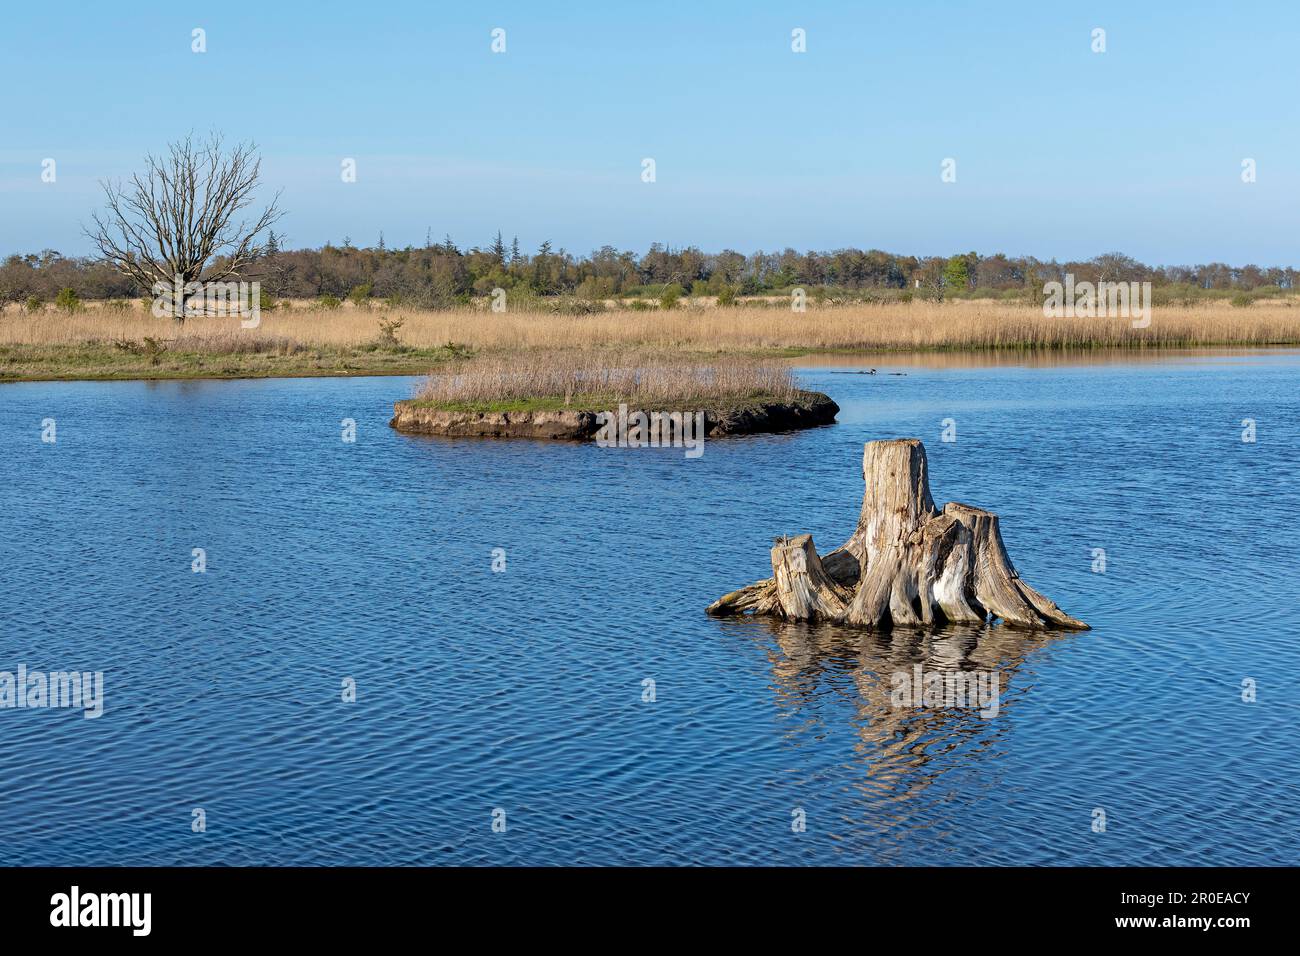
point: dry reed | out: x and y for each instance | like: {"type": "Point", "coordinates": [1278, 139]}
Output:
{"type": "Point", "coordinates": [910, 326]}
{"type": "Point", "coordinates": [584, 377]}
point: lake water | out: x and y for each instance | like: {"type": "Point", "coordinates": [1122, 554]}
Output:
{"type": "Point", "coordinates": [522, 690]}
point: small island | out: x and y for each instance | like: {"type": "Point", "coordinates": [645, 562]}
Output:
{"type": "Point", "coordinates": [585, 396]}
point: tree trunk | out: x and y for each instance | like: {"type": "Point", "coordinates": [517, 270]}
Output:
{"type": "Point", "coordinates": [803, 589]}
{"type": "Point", "coordinates": [907, 564]}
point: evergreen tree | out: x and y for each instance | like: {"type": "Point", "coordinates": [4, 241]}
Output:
{"type": "Point", "coordinates": [499, 249]}
{"type": "Point", "coordinates": [541, 279]}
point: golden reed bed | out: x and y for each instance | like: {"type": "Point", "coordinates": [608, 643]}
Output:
{"type": "Point", "coordinates": [606, 376]}
{"type": "Point", "coordinates": [696, 327]}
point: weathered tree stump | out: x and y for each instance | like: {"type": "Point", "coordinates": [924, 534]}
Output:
{"type": "Point", "coordinates": [907, 564]}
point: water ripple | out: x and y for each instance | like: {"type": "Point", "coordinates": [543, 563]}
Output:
{"type": "Point", "coordinates": [523, 691]}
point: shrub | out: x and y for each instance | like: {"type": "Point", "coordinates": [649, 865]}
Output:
{"type": "Point", "coordinates": [727, 296]}
{"type": "Point", "coordinates": [67, 301]}
{"type": "Point", "coordinates": [569, 305]}
{"type": "Point", "coordinates": [595, 289]}
{"type": "Point", "coordinates": [117, 306]}
{"type": "Point", "coordinates": [360, 294]}
{"type": "Point", "coordinates": [151, 348]}
{"type": "Point", "coordinates": [433, 294]}
{"type": "Point", "coordinates": [670, 296]}
{"type": "Point", "coordinates": [265, 301]}
{"type": "Point", "coordinates": [1243, 299]}
{"type": "Point", "coordinates": [388, 333]}
{"type": "Point", "coordinates": [34, 303]}
{"type": "Point", "coordinates": [639, 305]}
{"type": "Point", "coordinates": [328, 302]}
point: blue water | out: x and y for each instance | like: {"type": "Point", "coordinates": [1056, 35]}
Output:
{"type": "Point", "coordinates": [522, 690]}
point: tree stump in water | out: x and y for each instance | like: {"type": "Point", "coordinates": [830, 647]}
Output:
{"type": "Point", "coordinates": [907, 564]}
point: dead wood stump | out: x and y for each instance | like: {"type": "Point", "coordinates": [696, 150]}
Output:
{"type": "Point", "coordinates": [906, 565]}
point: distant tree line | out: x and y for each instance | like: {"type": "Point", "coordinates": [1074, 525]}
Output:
{"type": "Point", "coordinates": [442, 273]}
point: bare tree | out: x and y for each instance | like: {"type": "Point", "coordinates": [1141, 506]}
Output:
{"type": "Point", "coordinates": [176, 224]}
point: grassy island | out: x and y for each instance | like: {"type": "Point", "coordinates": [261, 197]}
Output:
{"type": "Point", "coordinates": [563, 395]}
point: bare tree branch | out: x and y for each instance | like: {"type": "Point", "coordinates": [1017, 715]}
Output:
{"type": "Point", "coordinates": [179, 222]}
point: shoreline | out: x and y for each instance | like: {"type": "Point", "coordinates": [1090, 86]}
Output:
{"type": "Point", "coordinates": [94, 344]}
{"type": "Point", "coordinates": [715, 419]}
{"type": "Point", "coordinates": [395, 365]}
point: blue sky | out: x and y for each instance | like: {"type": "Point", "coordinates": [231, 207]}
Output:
{"type": "Point", "coordinates": [1060, 152]}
